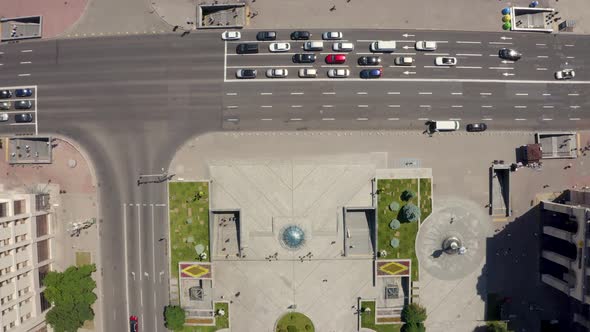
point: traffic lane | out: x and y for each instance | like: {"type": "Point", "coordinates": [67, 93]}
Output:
{"type": "Point", "coordinates": [161, 261]}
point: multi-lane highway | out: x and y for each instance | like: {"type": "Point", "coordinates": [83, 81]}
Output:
{"type": "Point", "coordinates": [130, 102]}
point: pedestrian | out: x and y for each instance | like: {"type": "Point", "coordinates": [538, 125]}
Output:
{"type": "Point", "coordinates": [452, 219]}
{"type": "Point", "coordinates": [175, 28]}
{"type": "Point", "coordinates": [333, 8]}
{"type": "Point", "coordinates": [237, 294]}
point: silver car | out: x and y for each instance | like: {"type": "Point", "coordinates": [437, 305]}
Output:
{"type": "Point", "coordinates": [332, 35]}
{"type": "Point", "coordinates": [425, 45]}
{"type": "Point", "coordinates": [3, 117]}
{"type": "Point", "coordinates": [338, 73]}
{"type": "Point", "coordinates": [5, 105]}
{"type": "Point", "coordinates": [277, 73]}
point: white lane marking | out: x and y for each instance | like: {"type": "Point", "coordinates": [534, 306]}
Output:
{"type": "Point", "coordinates": [232, 106]}
{"type": "Point", "coordinates": [139, 241]}
{"type": "Point", "coordinates": [153, 248]}
{"type": "Point", "coordinates": [328, 119]}
{"type": "Point", "coordinates": [392, 93]}
{"type": "Point", "coordinates": [281, 66]}
{"type": "Point", "coordinates": [26, 51]}
{"type": "Point", "coordinates": [424, 106]}
{"type": "Point", "coordinates": [435, 54]}
{"type": "Point", "coordinates": [570, 57]}
{"type": "Point", "coordinates": [457, 106]}
{"type": "Point", "coordinates": [469, 54]}
{"type": "Point", "coordinates": [486, 106]}
{"type": "Point", "coordinates": [141, 299]}
{"type": "Point", "coordinates": [546, 119]}
{"type": "Point", "coordinates": [575, 107]}
{"type": "Point", "coordinates": [493, 54]}
{"type": "Point", "coordinates": [457, 93]}
{"type": "Point", "coordinates": [431, 80]}
{"type": "Point", "coordinates": [548, 106]}
{"type": "Point", "coordinates": [361, 93]}
{"type": "Point", "coordinates": [378, 53]}
{"type": "Point", "coordinates": [231, 94]}
{"type": "Point", "coordinates": [393, 106]}
{"type": "Point", "coordinates": [362, 106]}
{"type": "Point", "coordinates": [21, 75]}
{"type": "Point", "coordinates": [442, 67]}
{"type": "Point", "coordinates": [441, 41]}
{"type": "Point", "coordinates": [546, 94]}
{"type": "Point", "coordinates": [569, 45]}
{"type": "Point", "coordinates": [266, 106]}
{"type": "Point", "coordinates": [574, 119]}
{"type": "Point", "coordinates": [542, 56]}
{"type": "Point", "coordinates": [541, 44]}
{"type": "Point", "coordinates": [392, 119]}
{"type": "Point", "coordinates": [501, 68]}
{"type": "Point", "coordinates": [467, 42]}
{"type": "Point", "coordinates": [265, 119]}
{"type": "Point", "coordinates": [25, 62]}
{"type": "Point", "coordinates": [500, 43]}
{"type": "Point", "coordinates": [328, 93]}
{"type": "Point", "coordinates": [297, 93]}
{"type": "Point", "coordinates": [126, 262]}
{"type": "Point", "coordinates": [423, 119]}
{"type": "Point", "coordinates": [520, 106]}
{"type": "Point", "coordinates": [485, 93]}
{"type": "Point", "coordinates": [424, 93]}
{"type": "Point", "coordinates": [334, 66]}
{"type": "Point", "coordinates": [455, 119]}
{"type": "Point", "coordinates": [296, 106]}
{"type": "Point", "coordinates": [487, 119]}
{"type": "Point", "coordinates": [573, 94]}
{"type": "Point", "coordinates": [519, 119]}
{"type": "Point", "coordinates": [260, 54]}
{"type": "Point", "coordinates": [362, 119]}
{"type": "Point", "coordinates": [541, 68]}
{"type": "Point", "coordinates": [266, 93]}
{"type": "Point", "coordinates": [521, 94]}
{"type": "Point", "coordinates": [468, 67]}
{"type": "Point", "coordinates": [327, 106]}
{"type": "Point", "coordinates": [232, 120]}
{"type": "Point", "coordinates": [295, 119]}
{"type": "Point", "coordinates": [400, 67]}
{"type": "Point", "coordinates": [225, 63]}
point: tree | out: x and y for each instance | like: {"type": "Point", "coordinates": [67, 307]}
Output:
{"type": "Point", "coordinates": [496, 326]}
{"type": "Point", "coordinates": [407, 195]}
{"type": "Point", "coordinates": [413, 327]}
{"type": "Point", "coordinates": [174, 316]}
{"type": "Point", "coordinates": [409, 213]}
{"type": "Point", "coordinates": [71, 294]}
{"type": "Point", "coordinates": [413, 314]}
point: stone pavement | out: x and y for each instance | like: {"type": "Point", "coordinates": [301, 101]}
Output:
{"type": "Point", "coordinates": [78, 203]}
{"type": "Point", "coordinates": [58, 15]}
{"type": "Point", "coordinates": [377, 14]}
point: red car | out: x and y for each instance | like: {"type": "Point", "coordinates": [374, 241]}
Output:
{"type": "Point", "coordinates": [133, 324]}
{"type": "Point", "coordinates": [335, 58]}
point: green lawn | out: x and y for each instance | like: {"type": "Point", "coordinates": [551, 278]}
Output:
{"type": "Point", "coordinates": [390, 191]}
{"type": "Point", "coordinates": [294, 322]}
{"type": "Point", "coordinates": [189, 216]}
{"type": "Point", "coordinates": [425, 198]}
{"type": "Point", "coordinates": [368, 319]}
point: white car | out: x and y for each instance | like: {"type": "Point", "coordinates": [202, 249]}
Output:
{"type": "Point", "coordinates": [343, 47]}
{"type": "Point", "coordinates": [404, 61]}
{"type": "Point", "coordinates": [445, 61]}
{"type": "Point", "coordinates": [425, 45]}
{"type": "Point", "coordinates": [3, 117]}
{"type": "Point", "coordinates": [231, 35]}
{"type": "Point", "coordinates": [279, 47]}
{"type": "Point", "coordinates": [277, 73]}
{"type": "Point", "coordinates": [332, 35]}
{"type": "Point", "coordinates": [308, 72]}
{"type": "Point", "coordinates": [338, 73]}
{"type": "Point", "coordinates": [565, 74]}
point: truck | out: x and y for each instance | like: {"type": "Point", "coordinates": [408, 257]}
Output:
{"type": "Point", "coordinates": [383, 46]}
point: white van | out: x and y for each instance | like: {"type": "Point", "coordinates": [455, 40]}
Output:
{"type": "Point", "coordinates": [313, 46]}
{"type": "Point", "coordinates": [343, 47]}
{"type": "Point", "coordinates": [383, 46]}
{"type": "Point", "coordinates": [436, 126]}
{"type": "Point", "coordinates": [308, 72]}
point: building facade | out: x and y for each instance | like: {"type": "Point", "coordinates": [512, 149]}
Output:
{"type": "Point", "coordinates": [26, 242]}
{"type": "Point", "coordinates": [565, 258]}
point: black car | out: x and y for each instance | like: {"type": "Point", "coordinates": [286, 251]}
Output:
{"type": "Point", "coordinates": [23, 92]}
{"type": "Point", "coordinates": [246, 73]}
{"type": "Point", "coordinates": [23, 118]}
{"type": "Point", "coordinates": [266, 35]}
{"type": "Point", "coordinates": [475, 127]}
{"type": "Point", "coordinates": [247, 48]}
{"type": "Point", "coordinates": [4, 94]}
{"type": "Point", "coordinates": [304, 58]}
{"type": "Point", "coordinates": [371, 73]}
{"type": "Point", "coordinates": [369, 61]}
{"type": "Point", "coordinates": [509, 54]}
{"type": "Point", "coordinates": [300, 35]}
{"type": "Point", "coordinates": [23, 104]}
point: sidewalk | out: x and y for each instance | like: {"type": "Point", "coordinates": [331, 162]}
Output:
{"type": "Point", "coordinates": [78, 203]}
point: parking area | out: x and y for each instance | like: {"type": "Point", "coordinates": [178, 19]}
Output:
{"type": "Point", "coordinates": [18, 109]}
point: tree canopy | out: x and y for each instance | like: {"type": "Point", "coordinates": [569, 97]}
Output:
{"type": "Point", "coordinates": [71, 294]}
{"type": "Point", "coordinates": [496, 327]}
{"type": "Point", "coordinates": [419, 327]}
{"type": "Point", "coordinates": [174, 316]}
{"type": "Point", "coordinates": [409, 213]}
{"type": "Point", "coordinates": [413, 314]}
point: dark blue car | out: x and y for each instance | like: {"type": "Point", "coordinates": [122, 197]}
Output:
{"type": "Point", "coordinates": [23, 92]}
{"type": "Point", "coordinates": [371, 73]}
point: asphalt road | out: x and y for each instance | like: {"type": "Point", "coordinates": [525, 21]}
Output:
{"type": "Point", "coordinates": [130, 102]}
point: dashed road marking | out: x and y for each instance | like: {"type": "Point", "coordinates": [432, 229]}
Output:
{"type": "Point", "coordinates": [548, 106]}
{"type": "Point", "coordinates": [485, 93]}
{"type": "Point", "coordinates": [327, 106]}
{"type": "Point", "coordinates": [574, 119]}
{"type": "Point", "coordinates": [486, 106]}
{"type": "Point", "coordinates": [467, 42]}
{"type": "Point", "coordinates": [520, 119]}
{"type": "Point", "coordinates": [542, 56]}
{"type": "Point", "coordinates": [266, 119]}
{"type": "Point", "coordinates": [541, 68]}
{"type": "Point", "coordinates": [231, 94]}
{"type": "Point", "coordinates": [500, 43]}
{"type": "Point", "coordinates": [469, 54]}
{"type": "Point", "coordinates": [21, 75]}
{"type": "Point", "coordinates": [501, 68]}
{"type": "Point", "coordinates": [392, 93]}
{"type": "Point", "coordinates": [468, 67]}
{"type": "Point", "coordinates": [296, 106]}
{"type": "Point", "coordinates": [521, 94]}
{"type": "Point", "coordinates": [266, 93]}
{"type": "Point", "coordinates": [362, 106]}
{"type": "Point", "coordinates": [520, 106]}
{"type": "Point", "coordinates": [457, 93]}
{"type": "Point", "coordinates": [392, 119]}
{"type": "Point", "coordinates": [26, 51]}
{"type": "Point", "coordinates": [297, 93]}
{"type": "Point", "coordinates": [25, 62]}
{"type": "Point", "coordinates": [457, 106]}
{"type": "Point", "coordinates": [232, 106]}
{"type": "Point", "coordinates": [573, 94]}
{"type": "Point", "coordinates": [361, 93]}
{"type": "Point", "coordinates": [266, 106]}
{"type": "Point", "coordinates": [424, 93]}
{"type": "Point", "coordinates": [541, 44]}
{"type": "Point", "coordinates": [362, 119]}
{"type": "Point", "coordinates": [328, 119]}
{"type": "Point", "coordinates": [328, 93]}
{"type": "Point", "coordinates": [393, 106]}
